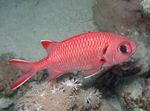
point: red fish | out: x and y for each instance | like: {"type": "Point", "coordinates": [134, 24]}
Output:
{"type": "Point", "coordinates": [88, 51]}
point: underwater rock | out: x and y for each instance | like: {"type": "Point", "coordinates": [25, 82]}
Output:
{"type": "Point", "coordinates": [138, 109]}
{"type": "Point", "coordinates": [142, 55]}
{"type": "Point", "coordinates": [106, 107]}
{"type": "Point", "coordinates": [127, 17]}
{"type": "Point", "coordinates": [111, 82]}
{"type": "Point", "coordinates": [127, 81]}
{"type": "Point", "coordinates": [132, 86]}
{"type": "Point", "coordinates": [144, 23]}
{"type": "Point", "coordinates": [132, 92]}
{"type": "Point", "coordinates": [122, 15]}
{"type": "Point", "coordinates": [116, 15]}
{"type": "Point", "coordinates": [5, 103]}
{"type": "Point", "coordinates": [136, 99]}
{"type": "Point", "coordinates": [146, 6]}
{"type": "Point", "coordinates": [65, 95]}
{"type": "Point", "coordinates": [7, 74]}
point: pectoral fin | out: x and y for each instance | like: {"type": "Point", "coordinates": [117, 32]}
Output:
{"type": "Point", "coordinates": [90, 73]}
{"type": "Point", "coordinates": [94, 70]}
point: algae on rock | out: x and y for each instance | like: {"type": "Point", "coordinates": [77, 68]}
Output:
{"type": "Point", "coordinates": [65, 95]}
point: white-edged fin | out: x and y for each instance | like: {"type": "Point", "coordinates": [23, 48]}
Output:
{"type": "Point", "coordinates": [23, 65]}
{"type": "Point", "coordinates": [21, 80]}
{"type": "Point", "coordinates": [48, 45]}
{"type": "Point", "coordinates": [90, 73]}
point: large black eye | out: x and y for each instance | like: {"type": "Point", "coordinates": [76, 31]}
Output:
{"type": "Point", "coordinates": [123, 49]}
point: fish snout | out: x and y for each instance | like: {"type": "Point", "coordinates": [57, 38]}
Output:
{"type": "Point", "coordinates": [135, 47]}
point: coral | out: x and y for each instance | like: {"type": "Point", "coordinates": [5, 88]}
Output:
{"type": "Point", "coordinates": [61, 96]}
{"type": "Point", "coordinates": [64, 95]}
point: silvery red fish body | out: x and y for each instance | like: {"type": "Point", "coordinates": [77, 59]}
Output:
{"type": "Point", "coordinates": [88, 51]}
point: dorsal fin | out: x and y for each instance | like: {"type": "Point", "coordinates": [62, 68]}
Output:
{"type": "Point", "coordinates": [48, 45]}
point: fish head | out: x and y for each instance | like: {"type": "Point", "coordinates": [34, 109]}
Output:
{"type": "Point", "coordinates": [119, 50]}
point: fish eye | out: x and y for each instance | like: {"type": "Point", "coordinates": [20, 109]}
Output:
{"type": "Point", "coordinates": [123, 49]}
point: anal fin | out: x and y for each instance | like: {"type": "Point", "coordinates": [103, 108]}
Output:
{"type": "Point", "coordinates": [54, 74]}
{"type": "Point", "coordinates": [94, 70]}
{"type": "Point", "coordinates": [21, 80]}
{"type": "Point", "coordinates": [90, 73]}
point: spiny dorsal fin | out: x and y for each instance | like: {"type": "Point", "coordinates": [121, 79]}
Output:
{"type": "Point", "coordinates": [48, 45]}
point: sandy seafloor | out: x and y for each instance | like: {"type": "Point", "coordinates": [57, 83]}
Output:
{"type": "Point", "coordinates": [24, 23]}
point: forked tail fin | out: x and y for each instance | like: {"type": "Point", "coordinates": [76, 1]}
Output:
{"type": "Point", "coordinates": [26, 67]}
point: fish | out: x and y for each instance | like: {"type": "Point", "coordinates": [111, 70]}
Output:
{"type": "Point", "coordinates": [87, 52]}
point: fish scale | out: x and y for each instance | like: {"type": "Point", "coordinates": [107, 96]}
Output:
{"type": "Point", "coordinates": [82, 49]}
{"type": "Point", "coordinates": [88, 51]}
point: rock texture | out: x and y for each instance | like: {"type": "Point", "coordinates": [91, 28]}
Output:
{"type": "Point", "coordinates": [65, 95]}
{"type": "Point", "coordinates": [116, 15]}
{"type": "Point", "coordinates": [127, 81]}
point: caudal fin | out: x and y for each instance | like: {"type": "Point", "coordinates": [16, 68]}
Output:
{"type": "Point", "coordinates": [26, 67]}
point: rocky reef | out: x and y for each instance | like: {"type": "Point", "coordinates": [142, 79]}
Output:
{"type": "Point", "coordinates": [127, 83]}
{"type": "Point", "coordinates": [64, 95]}
{"type": "Point", "coordinates": [121, 15]}
{"type": "Point", "coordinates": [146, 6]}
